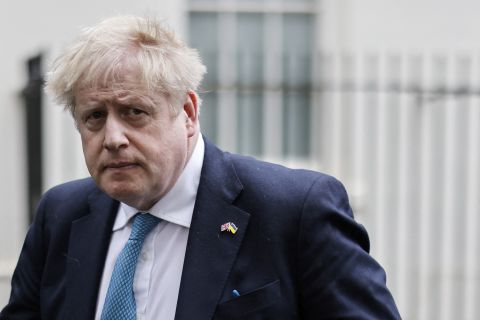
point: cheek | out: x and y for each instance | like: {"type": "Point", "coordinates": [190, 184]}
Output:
{"type": "Point", "coordinates": [89, 161]}
{"type": "Point", "coordinates": [168, 157]}
{"type": "Point", "coordinates": [90, 153]}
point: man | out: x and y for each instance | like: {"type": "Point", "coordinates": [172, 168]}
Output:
{"type": "Point", "coordinates": [212, 235]}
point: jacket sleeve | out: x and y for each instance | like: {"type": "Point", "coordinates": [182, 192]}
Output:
{"type": "Point", "coordinates": [24, 300]}
{"type": "Point", "coordinates": [338, 278]}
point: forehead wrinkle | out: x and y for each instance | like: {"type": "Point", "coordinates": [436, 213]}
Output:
{"type": "Point", "coordinates": [131, 96]}
{"type": "Point", "coordinates": [95, 96]}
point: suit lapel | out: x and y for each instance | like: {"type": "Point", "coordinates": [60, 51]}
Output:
{"type": "Point", "coordinates": [211, 253]}
{"type": "Point", "coordinates": [88, 245]}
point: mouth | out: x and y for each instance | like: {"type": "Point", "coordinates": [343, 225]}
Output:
{"type": "Point", "coordinates": [121, 165]}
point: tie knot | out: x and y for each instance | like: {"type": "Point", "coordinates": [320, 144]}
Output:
{"type": "Point", "coordinates": [143, 223]}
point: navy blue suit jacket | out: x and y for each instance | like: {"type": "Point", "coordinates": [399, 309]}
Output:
{"type": "Point", "coordinates": [297, 254]}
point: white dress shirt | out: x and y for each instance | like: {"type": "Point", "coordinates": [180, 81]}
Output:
{"type": "Point", "coordinates": [160, 264]}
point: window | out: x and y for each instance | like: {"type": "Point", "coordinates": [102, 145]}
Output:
{"type": "Point", "coordinates": [257, 92]}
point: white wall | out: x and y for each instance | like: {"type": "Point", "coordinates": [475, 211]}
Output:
{"type": "Point", "coordinates": [416, 190]}
{"type": "Point", "coordinates": [410, 25]}
{"type": "Point", "coordinates": [27, 28]}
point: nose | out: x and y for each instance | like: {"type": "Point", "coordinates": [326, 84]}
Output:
{"type": "Point", "coordinates": [115, 134]}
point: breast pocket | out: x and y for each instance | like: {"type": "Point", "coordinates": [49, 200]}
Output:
{"type": "Point", "coordinates": [248, 304]}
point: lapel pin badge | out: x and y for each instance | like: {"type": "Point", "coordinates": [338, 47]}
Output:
{"type": "Point", "coordinates": [229, 227]}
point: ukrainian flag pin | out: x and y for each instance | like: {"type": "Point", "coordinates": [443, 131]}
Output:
{"type": "Point", "coordinates": [229, 227]}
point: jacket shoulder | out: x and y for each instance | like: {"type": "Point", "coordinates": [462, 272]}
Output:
{"type": "Point", "coordinates": [76, 189]}
{"type": "Point", "coordinates": [270, 175]}
{"type": "Point", "coordinates": [67, 201]}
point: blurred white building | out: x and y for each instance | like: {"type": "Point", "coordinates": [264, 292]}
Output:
{"type": "Point", "coordinates": [382, 94]}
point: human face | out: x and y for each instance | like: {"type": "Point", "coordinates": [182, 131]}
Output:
{"type": "Point", "coordinates": [135, 145]}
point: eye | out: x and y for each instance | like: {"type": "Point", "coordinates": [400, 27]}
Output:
{"type": "Point", "coordinates": [134, 114]}
{"type": "Point", "coordinates": [95, 119]}
{"type": "Point", "coordinates": [135, 111]}
{"type": "Point", "coordinates": [96, 115]}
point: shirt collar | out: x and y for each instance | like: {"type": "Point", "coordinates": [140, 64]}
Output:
{"type": "Point", "coordinates": [177, 205]}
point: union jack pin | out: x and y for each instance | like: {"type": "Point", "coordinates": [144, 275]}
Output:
{"type": "Point", "coordinates": [229, 227]}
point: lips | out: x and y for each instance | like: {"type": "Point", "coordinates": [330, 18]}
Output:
{"type": "Point", "coordinates": [120, 165]}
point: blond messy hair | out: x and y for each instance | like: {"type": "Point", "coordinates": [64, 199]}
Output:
{"type": "Point", "coordinates": [167, 65]}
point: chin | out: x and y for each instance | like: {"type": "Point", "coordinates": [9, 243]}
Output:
{"type": "Point", "coordinates": [122, 192]}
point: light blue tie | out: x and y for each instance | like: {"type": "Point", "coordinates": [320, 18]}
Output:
{"type": "Point", "coordinates": [120, 300]}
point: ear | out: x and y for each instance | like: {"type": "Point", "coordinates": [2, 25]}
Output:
{"type": "Point", "coordinates": [190, 108]}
